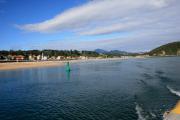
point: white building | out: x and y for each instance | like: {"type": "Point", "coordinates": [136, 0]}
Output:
{"type": "Point", "coordinates": [31, 57]}
{"type": "Point", "coordinates": [38, 57]}
{"type": "Point", "coordinates": [83, 57]}
{"type": "Point", "coordinates": [60, 58]}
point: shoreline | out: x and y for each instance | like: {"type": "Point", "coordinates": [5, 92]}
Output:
{"type": "Point", "coordinates": [21, 65]}
{"type": "Point", "coordinates": [37, 64]}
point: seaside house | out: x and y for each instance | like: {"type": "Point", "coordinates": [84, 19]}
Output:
{"type": "Point", "coordinates": [19, 57]}
{"type": "Point", "coordinates": [31, 57]}
{"type": "Point", "coordinates": [83, 57]}
{"type": "Point", "coordinates": [60, 58]}
{"type": "Point", "coordinates": [44, 58]}
{"type": "Point", "coordinates": [35, 57]}
{"type": "Point", "coordinates": [52, 58]}
{"type": "Point", "coordinates": [68, 57]}
{"type": "Point", "coordinates": [38, 57]}
{"type": "Point", "coordinates": [10, 57]}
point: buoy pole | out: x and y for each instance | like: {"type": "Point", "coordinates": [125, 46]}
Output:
{"type": "Point", "coordinates": [68, 67]}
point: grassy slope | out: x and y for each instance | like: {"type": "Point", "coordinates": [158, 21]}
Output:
{"type": "Point", "coordinates": [170, 49]}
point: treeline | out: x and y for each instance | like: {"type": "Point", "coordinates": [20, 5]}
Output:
{"type": "Point", "coordinates": [50, 53]}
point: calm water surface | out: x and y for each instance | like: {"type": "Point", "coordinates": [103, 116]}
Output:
{"type": "Point", "coordinates": [134, 89]}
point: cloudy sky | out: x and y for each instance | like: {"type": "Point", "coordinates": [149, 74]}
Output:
{"type": "Point", "coordinates": [129, 25]}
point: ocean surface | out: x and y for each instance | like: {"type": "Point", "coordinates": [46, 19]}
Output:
{"type": "Point", "coordinates": [133, 89]}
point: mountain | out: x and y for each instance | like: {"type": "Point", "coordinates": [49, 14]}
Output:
{"type": "Point", "coordinates": [167, 49]}
{"type": "Point", "coordinates": [112, 52]}
{"type": "Point", "coordinates": [117, 52]}
{"type": "Point", "coordinates": [101, 51]}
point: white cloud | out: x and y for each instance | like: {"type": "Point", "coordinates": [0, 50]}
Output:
{"type": "Point", "coordinates": [96, 14]}
{"type": "Point", "coordinates": [151, 22]}
{"type": "Point", "coordinates": [133, 43]}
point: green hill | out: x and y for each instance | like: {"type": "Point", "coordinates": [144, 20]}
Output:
{"type": "Point", "coordinates": [168, 49]}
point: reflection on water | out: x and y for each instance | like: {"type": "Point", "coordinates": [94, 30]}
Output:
{"type": "Point", "coordinates": [68, 72]}
{"type": "Point", "coordinates": [96, 90]}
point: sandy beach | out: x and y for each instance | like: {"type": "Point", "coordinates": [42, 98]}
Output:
{"type": "Point", "coordinates": [20, 65]}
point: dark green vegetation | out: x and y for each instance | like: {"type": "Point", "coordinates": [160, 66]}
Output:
{"type": "Point", "coordinates": [168, 49]}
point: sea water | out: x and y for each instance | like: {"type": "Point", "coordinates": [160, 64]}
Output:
{"type": "Point", "coordinates": [133, 89]}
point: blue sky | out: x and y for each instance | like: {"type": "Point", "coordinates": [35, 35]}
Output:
{"type": "Point", "coordinates": [127, 25]}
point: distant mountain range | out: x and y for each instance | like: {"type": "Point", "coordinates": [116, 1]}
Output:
{"type": "Point", "coordinates": [164, 50]}
{"type": "Point", "coordinates": [112, 52]}
{"type": "Point", "coordinates": [101, 51]}
{"type": "Point", "coordinates": [167, 49]}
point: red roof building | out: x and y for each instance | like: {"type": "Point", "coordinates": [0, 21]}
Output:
{"type": "Point", "coordinates": [19, 57]}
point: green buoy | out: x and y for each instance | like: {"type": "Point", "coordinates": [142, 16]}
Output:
{"type": "Point", "coordinates": [68, 67]}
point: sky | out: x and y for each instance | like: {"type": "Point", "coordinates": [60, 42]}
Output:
{"type": "Point", "coordinates": [127, 25]}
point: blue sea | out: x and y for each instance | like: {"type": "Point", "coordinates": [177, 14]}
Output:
{"type": "Point", "coordinates": [133, 89]}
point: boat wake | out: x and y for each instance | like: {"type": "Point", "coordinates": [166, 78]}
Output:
{"type": "Point", "coordinates": [173, 91]}
{"type": "Point", "coordinates": [140, 113]}
{"type": "Point", "coordinates": [144, 115]}
{"type": "Point", "coordinates": [153, 115]}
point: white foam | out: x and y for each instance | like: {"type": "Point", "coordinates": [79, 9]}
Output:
{"type": "Point", "coordinates": [153, 115]}
{"type": "Point", "coordinates": [139, 112]}
{"type": "Point", "coordinates": [174, 91]}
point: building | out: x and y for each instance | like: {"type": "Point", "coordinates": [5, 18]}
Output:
{"type": "Point", "coordinates": [31, 57]}
{"type": "Point", "coordinates": [44, 58]}
{"type": "Point", "coordinates": [60, 58]}
{"type": "Point", "coordinates": [83, 57]}
{"type": "Point", "coordinates": [38, 57]}
{"type": "Point", "coordinates": [19, 57]}
{"type": "Point", "coordinates": [11, 57]}
{"type": "Point", "coordinates": [52, 58]}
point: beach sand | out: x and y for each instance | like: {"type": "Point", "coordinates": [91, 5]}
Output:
{"type": "Point", "coordinates": [20, 65]}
